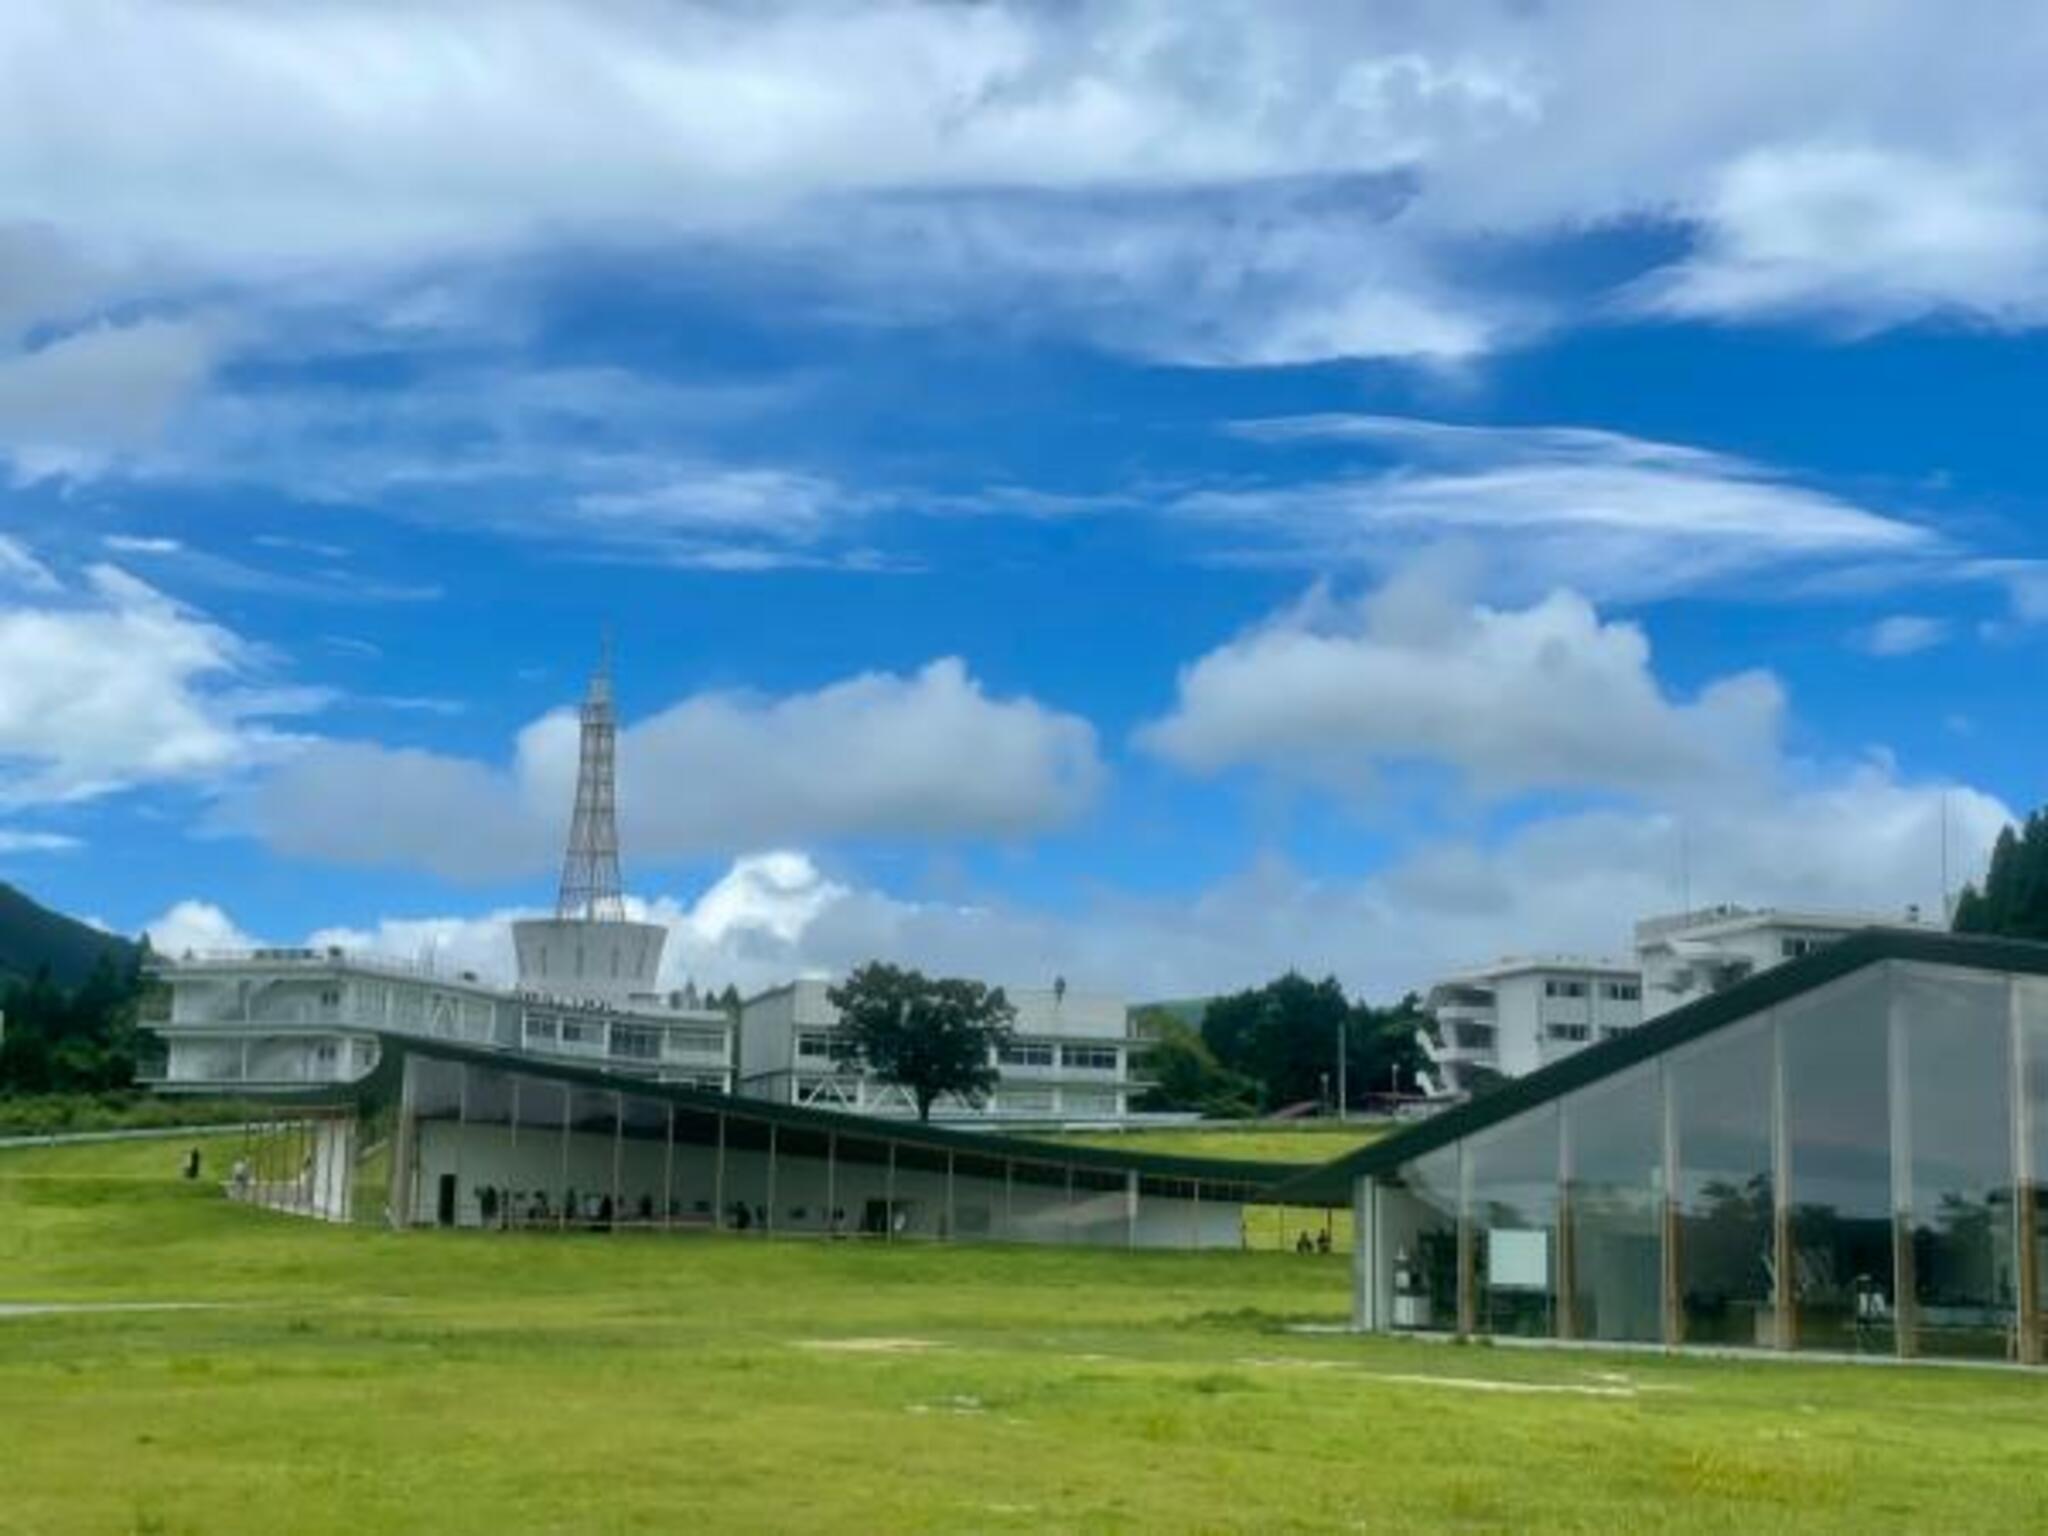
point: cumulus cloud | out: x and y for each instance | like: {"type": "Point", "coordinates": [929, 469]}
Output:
{"type": "Point", "coordinates": [197, 926]}
{"type": "Point", "coordinates": [1614, 515]}
{"type": "Point", "coordinates": [1864, 840]}
{"type": "Point", "coordinates": [924, 755]}
{"type": "Point", "coordinates": [1545, 697]}
{"type": "Point", "coordinates": [117, 684]}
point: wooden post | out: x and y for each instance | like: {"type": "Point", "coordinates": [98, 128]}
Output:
{"type": "Point", "coordinates": [718, 1179]}
{"type": "Point", "coordinates": [1566, 1318]}
{"type": "Point", "coordinates": [668, 1173]}
{"type": "Point", "coordinates": [768, 1227]}
{"type": "Point", "coordinates": [1899, 1100]}
{"type": "Point", "coordinates": [2027, 1340]}
{"type": "Point", "coordinates": [1671, 1257]}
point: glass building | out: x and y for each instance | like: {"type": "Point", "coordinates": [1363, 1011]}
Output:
{"type": "Point", "coordinates": [1841, 1155]}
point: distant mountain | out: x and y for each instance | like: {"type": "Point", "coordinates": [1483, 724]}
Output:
{"type": "Point", "coordinates": [32, 936]}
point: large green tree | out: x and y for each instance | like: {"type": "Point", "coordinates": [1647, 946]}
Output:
{"type": "Point", "coordinates": [930, 1036]}
{"type": "Point", "coordinates": [1285, 1036]}
{"type": "Point", "coordinates": [2013, 901]}
{"type": "Point", "coordinates": [1185, 1074]}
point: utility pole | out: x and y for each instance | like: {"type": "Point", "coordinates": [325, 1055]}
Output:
{"type": "Point", "coordinates": [1343, 1095]}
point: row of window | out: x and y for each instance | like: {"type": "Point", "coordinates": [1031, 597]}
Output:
{"type": "Point", "coordinates": [1613, 991]}
{"type": "Point", "coordinates": [1085, 1058]}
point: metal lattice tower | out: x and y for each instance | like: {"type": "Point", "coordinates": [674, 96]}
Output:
{"type": "Point", "coordinates": [591, 889]}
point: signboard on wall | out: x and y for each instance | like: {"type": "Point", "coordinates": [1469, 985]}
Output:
{"type": "Point", "coordinates": [1518, 1259]}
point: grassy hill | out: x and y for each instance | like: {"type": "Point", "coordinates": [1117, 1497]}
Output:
{"type": "Point", "coordinates": [31, 935]}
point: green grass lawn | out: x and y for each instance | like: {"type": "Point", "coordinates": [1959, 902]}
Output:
{"type": "Point", "coordinates": [359, 1381]}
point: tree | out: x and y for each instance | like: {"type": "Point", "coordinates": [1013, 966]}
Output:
{"type": "Point", "coordinates": [929, 1036]}
{"type": "Point", "coordinates": [2013, 901]}
{"type": "Point", "coordinates": [1285, 1035]}
{"type": "Point", "coordinates": [1185, 1073]}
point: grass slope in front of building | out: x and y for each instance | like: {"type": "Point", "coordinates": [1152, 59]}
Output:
{"type": "Point", "coordinates": [352, 1381]}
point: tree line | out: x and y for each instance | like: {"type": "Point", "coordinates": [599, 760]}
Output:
{"type": "Point", "coordinates": [82, 1039]}
{"type": "Point", "coordinates": [2013, 900]}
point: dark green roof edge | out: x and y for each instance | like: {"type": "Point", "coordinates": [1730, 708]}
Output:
{"type": "Point", "coordinates": [1331, 1183]}
{"type": "Point", "coordinates": [384, 1078]}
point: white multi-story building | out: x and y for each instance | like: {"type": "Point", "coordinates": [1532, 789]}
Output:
{"type": "Point", "coordinates": [1069, 1058]}
{"type": "Point", "coordinates": [1685, 956]}
{"type": "Point", "coordinates": [1525, 1012]}
{"type": "Point", "coordinates": [587, 991]}
{"type": "Point", "coordinates": [270, 1018]}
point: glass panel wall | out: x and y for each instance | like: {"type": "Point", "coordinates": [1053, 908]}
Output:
{"type": "Point", "coordinates": [1955, 1160]}
{"type": "Point", "coordinates": [1614, 1139]}
{"type": "Point", "coordinates": [1837, 1081]}
{"type": "Point", "coordinates": [2032, 1003]}
{"type": "Point", "coordinates": [1721, 1117]}
{"type": "Point", "coordinates": [1418, 1243]}
{"type": "Point", "coordinates": [1511, 1203]}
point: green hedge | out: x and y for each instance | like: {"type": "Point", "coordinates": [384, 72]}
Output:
{"type": "Point", "coordinates": [55, 1114]}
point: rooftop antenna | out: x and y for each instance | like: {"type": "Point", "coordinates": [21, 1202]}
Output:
{"type": "Point", "coordinates": [591, 889]}
{"type": "Point", "coordinates": [1947, 912]}
{"type": "Point", "coordinates": [1684, 866]}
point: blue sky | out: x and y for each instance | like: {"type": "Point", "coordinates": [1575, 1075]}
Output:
{"type": "Point", "coordinates": [1149, 496]}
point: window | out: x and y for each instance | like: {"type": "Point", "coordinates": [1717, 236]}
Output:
{"type": "Point", "coordinates": [1569, 1032]}
{"type": "Point", "coordinates": [636, 1042]}
{"type": "Point", "coordinates": [1023, 1055]}
{"type": "Point", "coordinates": [540, 1027]}
{"type": "Point", "coordinates": [1089, 1058]}
{"type": "Point", "coordinates": [1623, 992]}
{"type": "Point", "coordinates": [1472, 1037]}
{"type": "Point", "coordinates": [1555, 988]}
{"type": "Point", "coordinates": [814, 1045]}
{"type": "Point", "coordinates": [1721, 1111]}
{"type": "Point", "coordinates": [1797, 948]}
{"type": "Point", "coordinates": [1610, 1031]}
{"type": "Point", "coordinates": [1839, 1154]}
{"type": "Point", "coordinates": [1615, 1154]}
{"type": "Point", "coordinates": [696, 1042]}
{"type": "Point", "coordinates": [1511, 1202]}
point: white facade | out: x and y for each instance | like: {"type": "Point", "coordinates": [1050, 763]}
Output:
{"type": "Point", "coordinates": [274, 1018]}
{"type": "Point", "coordinates": [608, 962]}
{"type": "Point", "coordinates": [1519, 1014]}
{"type": "Point", "coordinates": [1069, 1058]}
{"type": "Point", "coordinates": [1689, 955]}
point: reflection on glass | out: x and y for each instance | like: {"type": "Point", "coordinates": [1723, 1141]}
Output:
{"type": "Point", "coordinates": [1616, 1138]}
{"type": "Point", "coordinates": [1511, 1202]}
{"type": "Point", "coordinates": [1838, 1124]}
{"type": "Point", "coordinates": [1721, 1108]}
{"type": "Point", "coordinates": [1955, 1070]}
{"type": "Point", "coordinates": [1418, 1241]}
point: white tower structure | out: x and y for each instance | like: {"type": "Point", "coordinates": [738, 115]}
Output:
{"type": "Point", "coordinates": [588, 949]}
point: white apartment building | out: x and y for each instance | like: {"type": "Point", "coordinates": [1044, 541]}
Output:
{"type": "Point", "coordinates": [1688, 955]}
{"type": "Point", "coordinates": [1069, 1058]}
{"type": "Point", "coordinates": [278, 1018]}
{"type": "Point", "coordinates": [1525, 1012]}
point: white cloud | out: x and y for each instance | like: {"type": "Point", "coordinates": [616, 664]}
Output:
{"type": "Point", "coordinates": [1544, 697]}
{"type": "Point", "coordinates": [197, 926]}
{"type": "Point", "coordinates": [1872, 236]}
{"type": "Point", "coordinates": [36, 842]}
{"type": "Point", "coordinates": [1864, 840]}
{"type": "Point", "coordinates": [71, 404]}
{"type": "Point", "coordinates": [1902, 634]}
{"type": "Point", "coordinates": [928, 755]}
{"type": "Point", "coordinates": [119, 685]}
{"type": "Point", "coordinates": [1239, 182]}
{"type": "Point", "coordinates": [22, 570]}
{"type": "Point", "coordinates": [140, 544]}
{"type": "Point", "coordinates": [1616, 516]}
